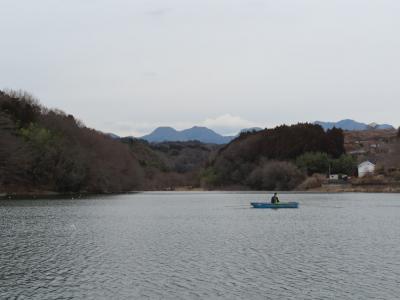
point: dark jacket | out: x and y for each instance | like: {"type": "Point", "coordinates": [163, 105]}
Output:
{"type": "Point", "coordinates": [274, 199]}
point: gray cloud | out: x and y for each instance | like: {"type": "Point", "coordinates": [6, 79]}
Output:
{"type": "Point", "coordinates": [268, 62]}
{"type": "Point", "coordinates": [158, 12]}
{"type": "Point", "coordinates": [149, 74]}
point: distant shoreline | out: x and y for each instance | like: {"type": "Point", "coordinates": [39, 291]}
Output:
{"type": "Point", "coordinates": [321, 190]}
{"type": "Point", "coordinates": [54, 195]}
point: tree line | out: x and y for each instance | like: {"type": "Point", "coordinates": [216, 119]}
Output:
{"type": "Point", "coordinates": [278, 158]}
{"type": "Point", "coordinates": [48, 150]}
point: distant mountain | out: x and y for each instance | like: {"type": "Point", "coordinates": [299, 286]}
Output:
{"type": "Point", "coordinates": [202, 134]}
{"type": "Point", "coordinates": [352, 125]}
{"type": "Point", "coordinates": [162, 134]}
{"type": "Point", "coordinates": [380, 126]}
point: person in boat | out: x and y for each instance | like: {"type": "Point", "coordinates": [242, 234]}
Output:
{"type": "Point", "coordinates": [275, 199]}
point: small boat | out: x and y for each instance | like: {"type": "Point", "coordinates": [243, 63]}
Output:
{"type": "Point", "coordinates": [275, 205]}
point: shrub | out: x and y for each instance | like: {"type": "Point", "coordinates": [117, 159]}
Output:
{"type": "Point", "coordinates": [311, 182]}
{"type": "Point", "coordinates": [209, 177]}
{"type": "Point", "coordinates": [275, 175]}
{"type": "Point", "coordinates": [345, 164]}
{"type": "Point", "coordinates": [370, 180]}
{"type": "Point", "coordinates": [313, 162]}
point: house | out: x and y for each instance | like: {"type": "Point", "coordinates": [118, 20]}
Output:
{"type": "Point", "coordinates": [365, 168]}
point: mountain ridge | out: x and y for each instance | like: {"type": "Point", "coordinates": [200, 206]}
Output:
{"type": "Point", "coordinates": [195, 133]}
{"type": "Point", "coordinates": [209, 136]}
{"type": "Point", "coordinates": [352, 125]}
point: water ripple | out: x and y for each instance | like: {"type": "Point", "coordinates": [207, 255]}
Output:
{"type": "Point", "coordinates": [199, 245]}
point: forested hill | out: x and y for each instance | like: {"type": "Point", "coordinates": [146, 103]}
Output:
{"type": "Point", "coordinates": [271, 154]}
{"type": "Point", "coordinates": [48, 150]}
{"type": "Point", "coordinates": [287, 142]}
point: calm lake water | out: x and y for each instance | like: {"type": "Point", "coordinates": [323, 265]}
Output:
{"type": "Point", "coordinates": [201, 246]}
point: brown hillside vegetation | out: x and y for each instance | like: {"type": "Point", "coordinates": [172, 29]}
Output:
{"type": "Point", "coordinates": [380, 146]}
{"type": "Point", "coordinates": [368, 141]}
{"type": "Point", "coordinates": [266, 159]}
{"type": "Point", "coordinates": [42, 149]}
{"type": "Point", "coordinates": [171, 165]}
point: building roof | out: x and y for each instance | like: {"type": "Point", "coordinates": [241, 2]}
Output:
{"type": "Point", "coordinates": [364, 163]}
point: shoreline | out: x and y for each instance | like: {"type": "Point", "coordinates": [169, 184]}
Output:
{"type": "Point", "coordinates": [326, 189]}
{"type": "Point", "coordinates": [55, 195]}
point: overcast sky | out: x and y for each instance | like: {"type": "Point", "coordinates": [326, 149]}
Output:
{"type": "Point", "coordinates": [128, 66]}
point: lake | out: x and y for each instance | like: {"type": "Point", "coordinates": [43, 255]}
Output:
{"type": "Point", "coordinates": [205, 245]}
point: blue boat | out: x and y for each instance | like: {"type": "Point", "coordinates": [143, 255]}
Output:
{"type": "Point", "coordinates": [275, 205]}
